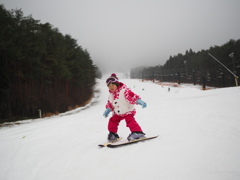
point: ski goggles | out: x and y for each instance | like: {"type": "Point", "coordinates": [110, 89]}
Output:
{"type": "Point", "coordinates": [111, 80]}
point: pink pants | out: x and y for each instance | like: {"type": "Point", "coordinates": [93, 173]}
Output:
{"type": "Point", "coordinates": [130, 122]}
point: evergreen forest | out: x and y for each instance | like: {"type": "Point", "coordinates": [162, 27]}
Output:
{"type": "Point", "coordinates": [42, 70]}
{"type": "Point", "coordinates": [218, 66]}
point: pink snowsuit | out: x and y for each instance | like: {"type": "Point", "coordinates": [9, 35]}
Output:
{"type": "Point", "coordinates": [122, 102]}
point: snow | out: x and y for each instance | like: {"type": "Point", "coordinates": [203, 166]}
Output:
{"type": "Point", "coordinates": [198, 139]}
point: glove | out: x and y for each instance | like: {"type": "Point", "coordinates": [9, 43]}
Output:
{"type": "Point", "coordinates": [106, 112]}
{"type": "Point", "coordinates": [142, 103]}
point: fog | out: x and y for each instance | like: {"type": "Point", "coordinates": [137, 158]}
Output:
{"type": "Point", "coordinates": [122, 34]}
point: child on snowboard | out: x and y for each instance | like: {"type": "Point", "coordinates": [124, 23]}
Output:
{"type": "Point", "coordinates": [121, 101]}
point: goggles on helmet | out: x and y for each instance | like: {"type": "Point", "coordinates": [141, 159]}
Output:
{"type": "Point", "coordinates": [111, 80]}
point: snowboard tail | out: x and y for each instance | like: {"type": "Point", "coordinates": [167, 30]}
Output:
{"type": "Point", "coordinates": [108, 143]}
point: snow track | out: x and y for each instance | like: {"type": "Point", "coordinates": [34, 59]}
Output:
{"type": "Point", "coordinates": [199, 139]}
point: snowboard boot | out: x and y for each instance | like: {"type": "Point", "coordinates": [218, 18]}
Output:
{"type": "Point", "coordinates": [135, 135]}
{"type": "Point", "coordinates": [112, 137]}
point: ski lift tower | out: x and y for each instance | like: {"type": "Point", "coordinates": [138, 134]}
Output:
{"type": "Point", "coordinates": [236, 77]}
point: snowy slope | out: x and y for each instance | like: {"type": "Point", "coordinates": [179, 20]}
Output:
{"type": "Point", "coordinates": [199, 139]}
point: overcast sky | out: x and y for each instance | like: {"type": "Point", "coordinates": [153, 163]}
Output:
{"type": "Point", "coordinates": [120, 34]}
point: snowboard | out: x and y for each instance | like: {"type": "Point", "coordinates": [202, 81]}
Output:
{"type": "Point", "coordinates": [112, 145]}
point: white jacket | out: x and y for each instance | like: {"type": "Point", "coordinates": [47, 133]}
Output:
{"type": "Point", "coordinates": [122, 101]}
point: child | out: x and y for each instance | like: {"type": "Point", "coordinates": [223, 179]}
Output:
{"type": "Point", "coordinates": [121, 101]}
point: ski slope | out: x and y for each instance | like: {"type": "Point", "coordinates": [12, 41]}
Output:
{"type": "Point", "coordinates": [199, 139]}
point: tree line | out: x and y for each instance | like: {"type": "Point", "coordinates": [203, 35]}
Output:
{"type": "Point", "coordinates": [41, 69]}
{"type": "Point", "coordinates": [198, 67]}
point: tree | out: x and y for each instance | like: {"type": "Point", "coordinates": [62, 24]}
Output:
{"type": "Point", "coordinates": [40, 68]}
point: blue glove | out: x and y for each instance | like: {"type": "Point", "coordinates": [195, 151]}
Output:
{"type": "Point", "coordinates": [142, 103]}
{"type": "Point", "coordinates": [106, 112]}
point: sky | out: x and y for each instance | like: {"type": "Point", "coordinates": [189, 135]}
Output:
{"type": "Point", "coordinates": [123, 34]}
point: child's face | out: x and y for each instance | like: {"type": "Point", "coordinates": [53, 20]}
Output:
{"type": "Point", "coordinates": [112, 87]}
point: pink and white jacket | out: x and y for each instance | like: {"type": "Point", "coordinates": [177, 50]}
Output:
{"type": "Point", "coordinates": [122, 101]}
